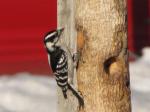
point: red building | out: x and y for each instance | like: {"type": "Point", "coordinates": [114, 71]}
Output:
{"type": "Point", "coordinates": [23, 24]}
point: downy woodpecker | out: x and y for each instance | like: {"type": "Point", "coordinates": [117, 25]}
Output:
{"type": "Point", "coordinates": [58, 60]}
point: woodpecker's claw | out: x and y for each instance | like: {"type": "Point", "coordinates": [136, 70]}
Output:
{"type": "Point", "coordinates": [76, 58]}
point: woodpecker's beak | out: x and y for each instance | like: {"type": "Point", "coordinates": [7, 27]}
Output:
{"type": "Point", "coordinates": [59, 31]}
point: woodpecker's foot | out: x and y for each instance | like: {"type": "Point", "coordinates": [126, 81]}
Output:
{"type": "Point", "coordinates": [76, 57]}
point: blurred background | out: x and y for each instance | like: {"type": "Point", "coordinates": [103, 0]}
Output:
{"type": "Point", "coordinates": [26, 84]}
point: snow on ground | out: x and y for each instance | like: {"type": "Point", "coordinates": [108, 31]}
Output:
{"type": "Point", "coordinates": [27, 93]}
{"type": "Point", "coordinates": [140, 82]}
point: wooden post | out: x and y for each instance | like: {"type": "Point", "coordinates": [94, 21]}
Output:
{"type": "Point", "coordinates": [102, 75]}
{"type": "Point", "coordinates": [65, 15]}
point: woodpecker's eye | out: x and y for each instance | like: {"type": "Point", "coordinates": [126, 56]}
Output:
{"type": "Point", "coordinates": [52, 39]}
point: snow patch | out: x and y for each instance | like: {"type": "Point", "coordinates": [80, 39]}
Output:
{"type": "Point", "coordinates": [27, 93]}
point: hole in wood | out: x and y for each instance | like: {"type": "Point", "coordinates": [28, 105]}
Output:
{"type": "Point", "coordinates": [108, 63]}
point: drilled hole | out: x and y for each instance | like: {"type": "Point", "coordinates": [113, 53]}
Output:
{"type": "Point", "coordinates": [108, 63]}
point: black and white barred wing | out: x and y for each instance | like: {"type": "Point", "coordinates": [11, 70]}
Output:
{"type": "Point", "coordinates": [71, 67]}
{"type": "Point", "coordinates": [61, 73]}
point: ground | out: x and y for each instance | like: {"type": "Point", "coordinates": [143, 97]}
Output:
{"type": "Point", "coordinates": [27, 93]}
{"type": "Point", "coordinates": [140, 82]}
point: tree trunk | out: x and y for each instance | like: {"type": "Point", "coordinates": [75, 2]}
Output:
{"type": "Point", "coordinates": [102, 75]}
{"type": "Point", "coordinates": [65, 19]}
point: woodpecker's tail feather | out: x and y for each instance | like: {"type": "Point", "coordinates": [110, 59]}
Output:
{"type": "Point", "coordinates": [79, 97]}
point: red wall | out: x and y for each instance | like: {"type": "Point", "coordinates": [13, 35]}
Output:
{"type": "Point", "coordinates": [130, 26]}
{"type": "Point", "coordinates": [138, 25]}
{"type": "Point", "coordinates": [24, 22]}
{"type": "Point", "coordinates": [22, 26]}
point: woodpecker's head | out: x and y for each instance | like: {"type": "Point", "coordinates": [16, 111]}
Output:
{"type": "Point", "coordinates": [51, 39]}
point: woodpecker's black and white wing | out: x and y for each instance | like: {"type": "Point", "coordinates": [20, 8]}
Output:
{"type": "Point", "coordinates": [61, 72]}
{"type": "Point", "coordinates": [59, 65]}
{"type": "Point", "coordinates": [71, 66]}
{"type": "Point", "coordinates": [61, 61]}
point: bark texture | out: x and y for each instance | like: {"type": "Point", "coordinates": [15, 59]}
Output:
{"type": "Point", "coordinates": [65, 15]}
{"type": "Point", "coordinates": [103, 76]}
